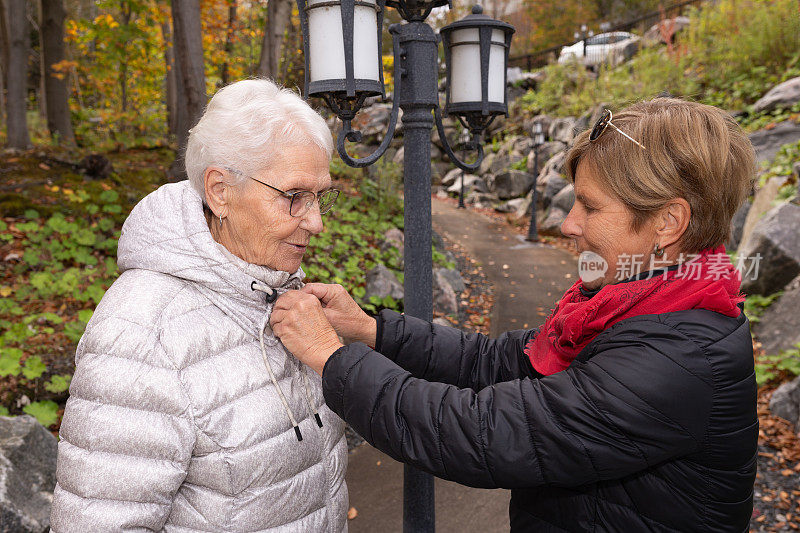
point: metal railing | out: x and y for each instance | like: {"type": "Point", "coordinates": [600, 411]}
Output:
{"type": "Point", "coordinates": [541, 58]}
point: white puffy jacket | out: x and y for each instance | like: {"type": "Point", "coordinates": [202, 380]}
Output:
{"type": "Point", "coordinates": [181, 409]}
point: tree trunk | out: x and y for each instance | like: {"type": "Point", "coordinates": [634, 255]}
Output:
{"type": "Point", "coordinates": [278, 14]}
{"type": "Point", "coordinates": [15, 33]}
{"type": "Point", "coordinates": [52, 41]}
{"type": "Point", "coordinates": [224, 74]}
{"type": "Point", "coordinates": [171, 80]}
{"type": "Point", "coordinates": [125, 11]}
{"type": "Point", "coordinates": [188, 47]}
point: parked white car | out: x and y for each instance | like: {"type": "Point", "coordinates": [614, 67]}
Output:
{"type": "Point", "coordinates": [612, 48]}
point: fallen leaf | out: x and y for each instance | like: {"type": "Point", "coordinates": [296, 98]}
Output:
{"type": "Point", "coordinates": [43, 166]}
{"type": "Point", "coordinates": [352, 513]}
{"type": "Point", "coordinates": [378, 463]}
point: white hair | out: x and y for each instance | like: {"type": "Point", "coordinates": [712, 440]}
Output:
{"type": "Point", "coordinates": [246, 125]}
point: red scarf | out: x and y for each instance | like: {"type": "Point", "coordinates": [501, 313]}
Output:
{"type": "Point", "coordinates": [708, 281]}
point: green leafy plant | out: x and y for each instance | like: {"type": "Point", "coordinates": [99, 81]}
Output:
{"type": "Point", "coordinates": [755, 305]}
{"type": "Point", "coordinates": [771, 366]}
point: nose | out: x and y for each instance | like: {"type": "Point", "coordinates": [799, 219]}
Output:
{"type": "Point", "coordinates": [571, 227]}
{"type": "Point", "coordinates": [312, 219]}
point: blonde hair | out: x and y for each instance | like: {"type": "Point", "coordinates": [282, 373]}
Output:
{"type": "Point", "coordinates": [693, 151]}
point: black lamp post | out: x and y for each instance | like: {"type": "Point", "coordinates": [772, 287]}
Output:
{"type": "Point", "coordinates": [583, 34]}
{"type": "Point", "coordinates": [342, 43]}
{"type": "Point", "coordinates": [538, 140]}
{"type": "Point", "coordinates": [464, 139]}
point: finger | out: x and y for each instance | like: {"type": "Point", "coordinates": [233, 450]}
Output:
{"type": "Point", "coordinates": [320, 290]}
{"type": "Point", "coordinates": [287, 300]}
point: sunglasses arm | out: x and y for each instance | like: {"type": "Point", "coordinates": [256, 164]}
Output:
{"type": "Point", "coordinates": [626, 135]}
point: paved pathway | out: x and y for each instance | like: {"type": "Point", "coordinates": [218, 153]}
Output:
{"type": "Point", "coordinates": [527, 280]}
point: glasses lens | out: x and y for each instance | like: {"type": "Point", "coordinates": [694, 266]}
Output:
{"type": "Point", "coordinates": [327, 199]}
{"type": "Point", "coordinates": [600, 125]}
{"type": "Point", "coordinates": [301, 203]}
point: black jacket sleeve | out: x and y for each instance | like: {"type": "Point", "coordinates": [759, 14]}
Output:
{"type": "Point", "coordinates": [448, 355]}
{"type": "Point", "coordinates": [631, 406]}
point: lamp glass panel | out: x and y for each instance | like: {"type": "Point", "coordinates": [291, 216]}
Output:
{"type": "Point", "coordinates": [465, 71]}
{"type": "Point", "coordinates": [365, 43]}
{"type": "Point", "coordinates": [497, 67]}
{"type": "Point", "coordinates": [325, 43]}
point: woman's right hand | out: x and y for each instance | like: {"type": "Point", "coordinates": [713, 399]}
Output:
{"type": "Point", "coordinates": [344, 314]}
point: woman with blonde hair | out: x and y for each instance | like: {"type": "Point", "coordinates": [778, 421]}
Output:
{"type": "Point", "coordinates": [633, 408]}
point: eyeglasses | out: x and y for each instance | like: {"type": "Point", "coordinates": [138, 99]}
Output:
{"type": "Point", "coordinates": [300, 201]}
{"type": "Point", "coordinates": [605, 121]}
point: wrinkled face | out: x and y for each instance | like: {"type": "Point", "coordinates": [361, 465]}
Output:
{"type": "Point", "coordinates": [599, 222]}
{"type": "Point", "coordinates": [259, 225]}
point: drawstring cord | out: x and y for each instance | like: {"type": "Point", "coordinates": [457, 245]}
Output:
{"type": "Point", "coordinates": [272, 295]}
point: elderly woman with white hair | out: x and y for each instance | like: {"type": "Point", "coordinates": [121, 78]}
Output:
{"type": "Point", "coordinates": [185, 412]}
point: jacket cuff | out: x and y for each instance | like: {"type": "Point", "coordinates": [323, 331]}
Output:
{"type": "Point", "coordinates": [335, 371]}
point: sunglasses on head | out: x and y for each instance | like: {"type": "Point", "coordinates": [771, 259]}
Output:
{"type": "Point", "coordinates": [604, 122]}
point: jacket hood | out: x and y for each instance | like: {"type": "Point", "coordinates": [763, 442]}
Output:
{"type": "Point", "coordinates": [167, 232]}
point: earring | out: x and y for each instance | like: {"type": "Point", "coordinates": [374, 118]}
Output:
{"type": "Point", "coordinates": [220, 220]}
{"type": "Point", "coordinates": [658, 252]}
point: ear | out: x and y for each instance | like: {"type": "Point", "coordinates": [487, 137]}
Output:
{"type": "Point", "coordinates": [673, 221]}
{"type": "Point", "coordinates": [217, 191]}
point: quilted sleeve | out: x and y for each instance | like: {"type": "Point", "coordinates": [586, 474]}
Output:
{"type": "Point", "coordinates": [126, 437]}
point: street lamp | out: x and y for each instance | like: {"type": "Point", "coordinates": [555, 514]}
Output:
{"type": "Point", "coordinates": [538, 140]}
{"type": "Point", "coordinates": [342, 44]}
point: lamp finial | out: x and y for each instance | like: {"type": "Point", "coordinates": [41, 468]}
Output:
{"type": "Point", "coordinates": [477, 9]}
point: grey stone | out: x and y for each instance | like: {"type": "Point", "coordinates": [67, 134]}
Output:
{"type": "Point", "coordinates": [441, 321]}
{"type": "Point", "coordinates": [444, 297]}
{"type": "Point", "coordinates": [511, 206]}
{"type": "Point", "coordinates": [796, 170]}
{"type": "Point", "coordinates": [511, 184]}
{"type": "Point", "coordinates": [524, 208]}
{"type": "Point", "coordinates": [654, 36]}
{"type": "Point", "coordinates": [481, 199]}
{"type": "Point", "coordinates": [762, 202]}
{"type": "Point", "coordinates": [453, 277]}
{"type": "Point", "coordinates": [382, 282]}
{"type": "Point", "coordinates": [471, 183]}
{"type": "Point", "coordinates": [399, 157]}
{"type": "Point", "coordinates": [553, 184]}
{"type": "Point", "coordinates": [545, 153]}
{"type": "Point", "coordinates": [503, 162]}
{"type": "Point", "coordinates": [776, 239]}
{"type": "Point", "coordinates": [27, 474]}
{"type": "Point", "coordinates": [529, 124]}
{"type": "Point", "coordinates": [436, 153]}
{"type": "Point", "coordinates": [373, 121]}
{"type": "Point", "coordinates": [450, 177]}
{"type": "Point", "coordinates": [393, 238]}
{"type": "Point", "coordinates": [785, 401]}
{"type": "Point", "coordinates": [486, 164]}
{"type": "Point", "coordinates": [524, 80]}
{"type": "Point", "coordinates": [562, 129]}
{"type": "Point", "coordinates": [737, 225]}
{"type": "Point", "coordinates": [768, 142]}
{"type": "Point", "coordinates": [551, 225]}
{"type": "Point", "coordinates": [554, 165]}
{"type": "Point", "coordinates": [782, 96]}
{"type": "Point", "coordinates": [565, 198]}
{"type": "Point", "coordinates": [779, 326]}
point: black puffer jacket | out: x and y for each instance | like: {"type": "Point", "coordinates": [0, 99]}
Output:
{"type": "Point", "coordinates": [652, 428]}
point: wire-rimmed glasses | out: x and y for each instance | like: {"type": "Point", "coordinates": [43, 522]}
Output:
{"type": "Point", "coordinates": [300, 201]}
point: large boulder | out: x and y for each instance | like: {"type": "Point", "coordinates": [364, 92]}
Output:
{"type": "Point", "coordinates": [785, 402]}
{"type": "Point", "coordinates": [444, 297]}
{"type": "Point", "coordinates": [503, 162]}
{"type": "Point", "coordinates": [471, 183]}
{"type": "Point", "coordinates": [563, 129]}
{"type": "Point", "coordinates": [774, 247]}
{"type": "Point", "coordinates": [551, 225]}
{"type": "Point", "coordinates": [565, 198]}
{"type": "Point", "coordinates": [781, 96]}
{"type": "Point", "coordinates": [768, 142]}
{"type": "Point", "coordinates": [373, 121]}
{"type": "Point", "coordinates": [453, 277]}
{"type": "Point", "coordinates": [779, 327]}
{"type": "Point", "coordinates": [27, 474]}
{"type": "Point", "coordinates": [545, 152]}
{"type": "Point", "coordinates": [451, 177]}
{"type": "Point", "coordinates": [481, 199]}
{"type": "Point", "coordinates": [511, 184]}
{"type": "Point", "coordinates": [737, 225]}
{"type": "Point", "coordinates": [554, 164]}
{"type": "Point", "coordinates": [673, 25]}
{"type": "Point", "coordinates": [553, 184]}
{"type": "Point", "coordinates": [382, 282]}
{"type": "Point", "coordinates": [762, 202]}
